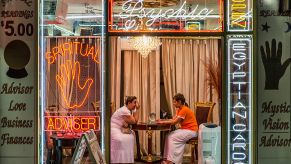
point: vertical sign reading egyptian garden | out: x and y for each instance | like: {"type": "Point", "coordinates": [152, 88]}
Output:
{"type": "Point", "coordinates": [239, 82]}
{"type": "Point", "coordinates": [17, 82]}
{"type": "Point", "coordinates": [239, 99]}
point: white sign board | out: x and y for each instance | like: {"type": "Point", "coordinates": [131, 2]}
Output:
{"type": "Point", "coordinates": [18, 63]}
{"type": "Point", "coordinates": [274, 86]}
{"type": "Point", "coordinates": [88, 140]}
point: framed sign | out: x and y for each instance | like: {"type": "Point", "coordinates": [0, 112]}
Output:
{"type": "Point", "coordinates": [79, 151]}
{"type": "Point", "coordinates": [88, 140]}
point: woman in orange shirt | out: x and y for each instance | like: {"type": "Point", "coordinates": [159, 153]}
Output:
{"type": "Point", "coordinates": [176, 140]}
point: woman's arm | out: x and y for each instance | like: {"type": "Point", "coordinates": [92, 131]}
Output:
{"type": "Point", "coordinates": [132, 119]}
{"type": "Point", "coordinates": [173, 121]}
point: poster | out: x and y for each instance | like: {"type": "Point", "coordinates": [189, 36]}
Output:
{"type": "Point", "coordinates": [274, 87]}
{"type": "Point", "coordinates": [18, 63]}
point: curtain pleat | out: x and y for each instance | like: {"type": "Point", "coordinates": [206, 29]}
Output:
{"type": "Point", "coordinates": [184, 70]}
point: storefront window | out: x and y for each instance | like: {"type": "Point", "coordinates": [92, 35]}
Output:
{"type": "Point", "coordinates": [156, 68]}
{"type": "Point", "coordinates": [190, 66]}
{"type": "Point", "coordinates": [70, 79]}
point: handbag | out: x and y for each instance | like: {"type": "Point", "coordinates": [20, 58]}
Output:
{"type": "Point", "coordinates": [125, 130]}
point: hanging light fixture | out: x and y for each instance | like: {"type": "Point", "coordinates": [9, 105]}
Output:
{"type": "Point", "coordinates": [144, 44]}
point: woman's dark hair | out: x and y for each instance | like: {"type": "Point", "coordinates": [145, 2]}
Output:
{"type": "Point", "coordinates": [129, 99]}
{"type": "Point", "coordinates": [180, 97]}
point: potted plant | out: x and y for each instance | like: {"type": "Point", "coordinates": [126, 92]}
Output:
{"type": "Point", "coordinates": [213, 69]}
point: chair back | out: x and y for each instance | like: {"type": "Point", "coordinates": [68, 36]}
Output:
{"type": "Point", "coordinates": [204, 112]}
{"type": "Point", "coordinates": [112, 107]}
{"type": "Point", "coordinates": [96, 107]}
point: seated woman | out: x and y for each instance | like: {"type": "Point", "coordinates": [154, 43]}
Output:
{"type": "Point", "coordinates": [122, 138]}
{"type": "Point", "coordinates": [176, 140]}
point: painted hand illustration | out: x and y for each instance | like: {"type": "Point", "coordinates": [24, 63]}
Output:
{"type": "Point", "coordinates": [70, 77]}
{"type": "Point", "coordinates": [274, 69]}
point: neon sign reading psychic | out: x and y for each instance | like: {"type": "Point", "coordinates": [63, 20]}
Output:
{"type": "Point", "coordinates": [239, 15]}
{"type": "Point", "coordinates": [71, 123]}
{"type": "Point", "coordinates": [135, 15]}
{"type": "Point", "coordinates": [72, 48]}
{"type": "Point", "coordinates": [239, 100]}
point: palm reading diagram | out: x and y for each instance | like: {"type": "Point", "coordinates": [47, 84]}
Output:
{"type": "Point", "coordinates": [71, 62]}
{"type": "Point", "coordinates": [272, 61]}
{"type": "Point", "coordinates": [70, 74]}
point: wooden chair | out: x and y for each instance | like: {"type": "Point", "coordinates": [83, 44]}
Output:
{"type": "Point", "coordinates": [50, 111]}
{"type": "Point", "coordinates": [203, 114]}
{"type": "Point", "coordinates": [96, 107]}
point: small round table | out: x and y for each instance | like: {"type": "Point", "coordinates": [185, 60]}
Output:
{"type": "Point", "coordinates": [149, 127]}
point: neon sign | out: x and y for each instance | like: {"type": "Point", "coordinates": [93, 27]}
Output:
{"type": "Point", "coordinates": [128, 10]}
{"type": "Point", "coordinates": [239, 15]}
{"type": "Point", "coordinates": [71, 123]}
{"type": "Point", "coordinates": [72, 48]}
{"type": "Point", "coordinates": [134, 15]}
{"type": "Point", "coordinates": [239, 100]}
{"type": "Point", "coordinates": [70, 74]}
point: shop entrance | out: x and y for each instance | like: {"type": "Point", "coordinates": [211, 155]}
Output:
{"type": "Point", "coordinates": [154, 74]}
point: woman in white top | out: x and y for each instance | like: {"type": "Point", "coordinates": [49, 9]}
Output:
{"type": "Point", "coordinates": [122, 143]}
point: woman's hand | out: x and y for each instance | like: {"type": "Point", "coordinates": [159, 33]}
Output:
{"type": "Point", "coordinates": [159, 121]}
{"type": "Point", "coordinates": [137, 105]}
{"type": "Point", "coordinates": [173, 121]}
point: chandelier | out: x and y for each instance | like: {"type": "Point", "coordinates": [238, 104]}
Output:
{"type": "Point", "coordinates": [144, 44]}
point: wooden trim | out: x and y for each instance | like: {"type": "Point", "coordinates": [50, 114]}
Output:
{"type": "Point", "coordinates": [166, 34]}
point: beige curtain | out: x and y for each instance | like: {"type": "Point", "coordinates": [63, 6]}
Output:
{"type": "Point", "coordinates": [115, 70]}
{"type": "Point", "coordinates": [141, 78]}
{"type": "Point", "coordinates": [184, 71]}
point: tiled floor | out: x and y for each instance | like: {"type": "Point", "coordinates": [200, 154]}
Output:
{"type": "Point", "coordinates": [186, 160]}
{"type": "Point", "coordinates": [86, 160]}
